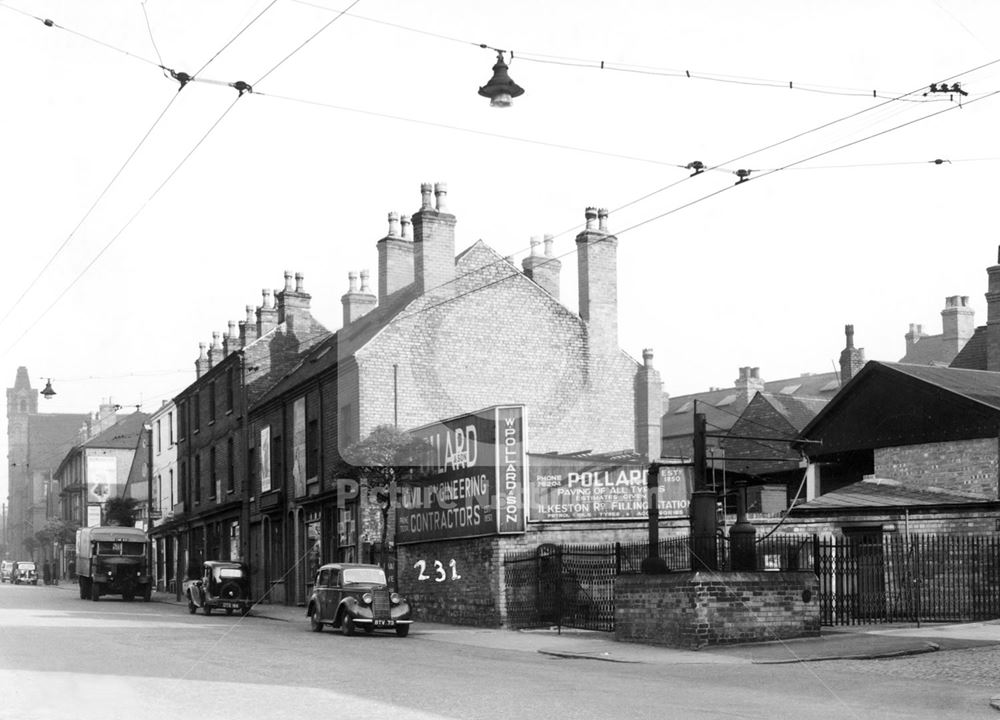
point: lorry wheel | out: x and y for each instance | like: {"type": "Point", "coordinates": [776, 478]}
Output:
{"type": "Point", "coordinates": [83, 589]}
{"type": "Point", "coordinates": [95, 591]}
{"type": "Point", "coordinates": [207, 610]}
{"type": "Point", "coordinates": [192, 608]}
{"type": "Point", "coordinates": [147, 593]}
{"type": "Point", "coordinates": [128, 595]}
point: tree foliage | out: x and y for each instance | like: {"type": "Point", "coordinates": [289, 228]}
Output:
{"type": "Point", "coordinates": [59, 531]}
{"type": "Point", "coordinates": [381, 461]}
{"type": "Point", "coordinates": [120, 511]}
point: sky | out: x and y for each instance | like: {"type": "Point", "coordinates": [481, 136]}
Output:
{"type": "Point", "coordinates": [136, 219]}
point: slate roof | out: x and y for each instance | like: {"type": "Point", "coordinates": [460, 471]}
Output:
{"type": "Point", "coordinates": [980, 385]}
{"type": "Point", "coordinates": [720, 415]}
{"type": "Point", "coordinates": [929, 350]}
{"type": "Point", "coordinates": [873, 493]}
{"type": "Point", "coordinates": [124, 434]}
{"type": "Point", "coordinates": [973, 355]}
{"type": "Point", "coordinates": [52, 436]}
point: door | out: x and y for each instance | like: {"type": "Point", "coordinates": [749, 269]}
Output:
{"type": "Point", "coordinates": [867, 581]}
{"type": "Point", "coordinates": [324, 591]}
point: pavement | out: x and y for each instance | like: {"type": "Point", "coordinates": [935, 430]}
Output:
{"type": "Point", "coordinates": [861, 642]}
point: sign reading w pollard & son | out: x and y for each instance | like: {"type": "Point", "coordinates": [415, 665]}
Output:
{"type": "Point", "coordinates": [475, 478]}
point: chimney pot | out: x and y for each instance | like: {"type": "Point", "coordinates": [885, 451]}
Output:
{"type": "Point", "coordinates": [352, 280]}
{"type": "Point", "coordinates": [548, 245]}
{"type": "Point", "coordinates": [268, 302]}
{"type": "Point", "coordinates": [215, 340]}
{"type": "Point", "coordinates": [288, 281]}
{"type": "Point", "coordinates": [647, 357]}
{"type": "Point", "coordinates": [364, 282]}
{"type": "Point", "coordinates": [232, 328]}
{"type": "Point", "coordinates": [602, 216]}
{"type": "Point", "coordinates": [393, 224]}
{"type": "Point", "coordinates": [299, 282]}
{"type": "Point", "coordinates": [441, 196]}
{"type": "Point", "coordinates": [425, 196]}
{"type": "Point", "coordinates": [201, 351]}
{"type": "Point", "coordinates": [405, 220]}
{"type": "Point", "coordinates": [591, 215]}
{"type": "Point", "coordinates": [250, 314]}
{"type": "Point", "coordinates": [535, 245]}
{"type": "Point", "coordinates": [849, 332]}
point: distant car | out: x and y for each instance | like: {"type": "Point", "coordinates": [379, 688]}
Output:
{"type": "Point", "coordinates": [6, 568]}
{"type": "Point", "coordinates": [222, 586]}
{"type": "Point", "coordinates": [351, 596]}
{"type": "Point", "coordinates": [24, 571]}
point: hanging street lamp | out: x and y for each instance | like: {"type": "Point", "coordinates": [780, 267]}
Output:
{"type": "Point", "coordinates": [501, 90]}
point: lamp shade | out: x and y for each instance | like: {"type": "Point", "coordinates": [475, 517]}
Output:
{"type": "Point", "coordinates": [501, 90]}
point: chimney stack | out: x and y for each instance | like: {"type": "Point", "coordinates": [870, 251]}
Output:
{"type": "Point", "coordinates": [395, 257]}
{"type": "Point", "coordinates": [201, 365]}
{"type": "Point", "coordinates": [543, 269]}
{"type": "Point", "coordinates": [267, 314]}
{"type": "Point", "coordinates": [248, 327]}
{"type": "Point", "coordinates": [648, 409]}
{"type": "Point", "coordinates": [231, 342]}
{"type": "Point", "coordinates": [749, 383]}
{"type": "Point", "coordinates": [357, 302]}
{"type": "Point", "coordinates": [598, 281]}
{"type": "Point", "coordinates": [434, 243]}
{"type": "Point", "coordinates": [293, 303]}
{"type": "Point", "coordinates": [215, 351]}
{"type": "Point", "coordinates": [993, 318]}
{"type": "Point", "coordinates": [958, 322]}
{"type": "Point", "coordinates": [852, 359]}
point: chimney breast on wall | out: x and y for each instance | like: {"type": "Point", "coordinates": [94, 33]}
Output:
{"type": "Point", "coordinates": [231, 342]}
{"type": "Point", "coordinates": [749, 383]}
{"type": "Point", "coordinates": [597, 265]}
{"type": "Point", "coordinates": [294, 303]}
{"type": "Point", "coordinates": [958, 323]}
{"type": "Point", "coordinates": [434, 244]}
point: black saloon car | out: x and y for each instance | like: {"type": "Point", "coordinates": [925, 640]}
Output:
{"type": "Point", "coordinates": [351, 596]}
{"type": "Point", "coordinates": [222, 586]}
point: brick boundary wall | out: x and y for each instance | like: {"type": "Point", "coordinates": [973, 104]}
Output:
{"type": "Point", "coordinates": [695, 610]}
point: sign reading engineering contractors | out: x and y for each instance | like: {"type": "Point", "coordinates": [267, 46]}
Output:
{"type": "Point", "coordinates": [575, 489]}
{"type": "Point", "coordinates": [476, 469]}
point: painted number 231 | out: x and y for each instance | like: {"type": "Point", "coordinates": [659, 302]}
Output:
{"type": "Point", "coordinates": [440, 574]}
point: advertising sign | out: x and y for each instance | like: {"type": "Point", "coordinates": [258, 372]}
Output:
{"type": "Point", "coordinates": [474, 478]}
{"type": "Point", "coordinates": [93, 515]}
{"type": "Point", "coordinates": [299, 447]}
{"type": "Point", "coordinates": [578, 489]}
{"type": "Point", "coordinates": [102, 478]}
{"type": "Point", "coordinates": [265, 458]}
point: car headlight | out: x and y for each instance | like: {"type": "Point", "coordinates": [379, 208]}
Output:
{"type": "Point", "coordinates": [366, 598]}
{"type": "Point", "coordinates": [395, 598]}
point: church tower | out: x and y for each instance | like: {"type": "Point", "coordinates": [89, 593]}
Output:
{"type": "Point", "coordinates": [22, 402]}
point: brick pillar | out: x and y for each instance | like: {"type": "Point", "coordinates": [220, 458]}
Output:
{"type": "Point", "coordinates": [852, 359]}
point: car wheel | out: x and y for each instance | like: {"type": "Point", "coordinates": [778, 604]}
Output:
{"type": "Point", "coordinates": [192, 608]}
{"type": "Point", "coordinates": [347, 625]}
{"type": "Point", "coordinates": [314, 624]}
{"type": "Point", "coordinates": [402, 630]}
{"type": "Point", "coordinates": [207, 610]}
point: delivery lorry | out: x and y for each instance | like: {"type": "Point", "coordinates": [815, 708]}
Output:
{"type": "Point", "coordinates": [112, 560]}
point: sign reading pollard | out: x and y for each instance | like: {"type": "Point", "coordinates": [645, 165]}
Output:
{"type": "Point", "coordinates": [475, 470]}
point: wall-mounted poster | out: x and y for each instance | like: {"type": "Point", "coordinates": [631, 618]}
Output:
{"type": "Point", "coordinates": [264, 456]}
{"type": "Point", "coordinates": [102, 478]}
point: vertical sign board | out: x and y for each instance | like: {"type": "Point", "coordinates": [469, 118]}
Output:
{"type": "Point", "coordinates": [510, 469]}
{"type": "Point", "coordinates": [473, 479]}
{"type": "Point", "coordinates": [299, 447]}
{"type": "Point", "coordinates": [265, 458]}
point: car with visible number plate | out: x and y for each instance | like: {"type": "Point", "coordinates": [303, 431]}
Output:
{"type": "Point", "coordinates": [353, 596]}
{"type": "Point", "coordinates": [222, 586]}
{"type": "Point", "coordinates": [24, 571]}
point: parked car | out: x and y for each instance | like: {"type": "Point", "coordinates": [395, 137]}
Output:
{"type": "Point", "coordinates": [6, 568]}
{"type": "Point", "coordinates": [24, 571]}
{"type": "Point", "coordinates": [352, 595]}
{"type": "Point", "coordinates": [222, 585]}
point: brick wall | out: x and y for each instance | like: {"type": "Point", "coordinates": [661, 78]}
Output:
{"type": "Point", "coordinates": [452, 581]}
{"type": "Point", "coordinates": [964, 466]}
{"type": "Point", "coordinates": [511, 342]}
{"type": "Point", "coordinates": [696, 610]}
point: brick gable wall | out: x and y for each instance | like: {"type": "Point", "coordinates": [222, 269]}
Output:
{"type": "Point", "coordinates": [963, 466]}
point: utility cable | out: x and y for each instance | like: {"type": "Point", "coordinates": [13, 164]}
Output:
{"type": "Point", "coordinates": [89, 210]}
{"type": "Point", "coordinates": [306, 41]}
{"type": "Point", "coordinates": [233, 39]}
{"type": "Point", "coordinates": [149, 27]}
{"type": "Point", "coordinates": [118, 234]}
